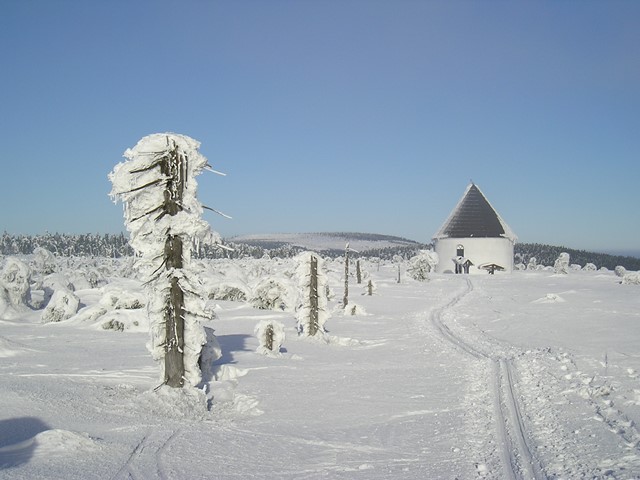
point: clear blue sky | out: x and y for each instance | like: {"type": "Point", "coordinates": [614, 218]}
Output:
{"type": "Point", "coordinates": [334, 115]}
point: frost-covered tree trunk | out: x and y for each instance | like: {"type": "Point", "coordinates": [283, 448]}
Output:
{"type": "Point", "coordinates": [345, 298]}
{"type": "Point", "coordinates": [312, 313]}
{"type": "Point", "coordinates": [358, 272]}
{"type": "Point", "coordinates": [158, 188]}
{"type": "Point", "coordinates": [313, 296]}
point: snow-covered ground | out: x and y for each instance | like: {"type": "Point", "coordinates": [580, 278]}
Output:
{"type": "Point", "coordinates": [528, 375]}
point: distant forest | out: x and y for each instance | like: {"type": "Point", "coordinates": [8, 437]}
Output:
{"type": "Point", "coordinates": [117, 245]}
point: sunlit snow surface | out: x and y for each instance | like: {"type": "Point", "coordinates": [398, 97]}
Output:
{"type": "Point", "coordinates": [416, 388]}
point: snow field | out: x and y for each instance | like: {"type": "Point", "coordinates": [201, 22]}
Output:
{"type": "Point", "coordinates": [388, 394]}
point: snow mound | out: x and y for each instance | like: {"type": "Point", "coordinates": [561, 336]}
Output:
{"type": "Point", "coordinates": [550, 298]}
{"type": "Point", "coordinates": [63, 441]}
{"type": "Point", "coordinates": [186, 403]}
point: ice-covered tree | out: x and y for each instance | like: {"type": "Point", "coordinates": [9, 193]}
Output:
{"type": "Point", "coordinates": [561, 265]}
{"type": "Point", "coordinates": [157, 186]}
{"type": "Point", "coordinates": [312, 311]}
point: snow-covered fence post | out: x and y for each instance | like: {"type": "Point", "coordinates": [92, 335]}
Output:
{"type": "Point", "coordinates": [158, 188]}
{"type": "Point", "coordinates": [358, 272]}
{"type": "Point", "coordinates": [370, 288]}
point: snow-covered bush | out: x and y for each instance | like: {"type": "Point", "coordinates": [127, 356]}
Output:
{"type": "Point", "coordinates": [63, 305]}
{"type": "Point", "coordinates": [533, 264]}
{"type": "Point", "coordinates": [424, 262]}
{"type": "Point", "coordinates": [233, 293]}
{"type": "Point", "coordinates": [271, 294]}
{"type": "Point", "coordinates": [575, 267]}
{"type": "Point", "coordinates": [561, 265]}
{"type": "Point", "coordinates": [163, 215]}
{"type": "Point", "coordinates": [15, 279]}
{"type": "Point", "coordinates": [590, 267]}
{"type": "Point", "coordinates": [270, 335]}
{"type": "Point", "coordinates": [620, 271]}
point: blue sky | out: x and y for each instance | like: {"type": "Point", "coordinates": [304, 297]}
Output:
{"type": "Point", "coordinates": [368, 116]}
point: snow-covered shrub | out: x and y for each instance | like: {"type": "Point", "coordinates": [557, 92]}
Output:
{"type": "Point", "coordinates": [620, 271]}
{"type": "Point", "coordinates": [519, 266]}
{"type": "Point", "coordinates": [16, 280]}
{"type": "Point", "coordinates": [164, 217]}
{"type": "Point", "coordinates": [233, 293]}
{"type": "Point", "coordinates": [561, 265]}
{"type": "Point", "coordinates": [590, 267]}
{"type": "Point", "coordinates": [270, 335]}
{"type": "Point", "coordinates": [533, 264]}
{"type": "Point", "coordinates": [120, 298]}
{"type": "Point", "coordinates": [63, 305]}
{"type": "Point", "coordinates": [424, 262]}
{"type": "Point", "coordinates": [312, 311]}
{"type": "Point", "coordinates": [271, 294]}
{"type": "Point", "coordinates": [575, 267]}
{"type": "Point", "coordinates": [631, 278]}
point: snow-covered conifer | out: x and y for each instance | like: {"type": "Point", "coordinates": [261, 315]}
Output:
{"type": "Point", "coordinates": [164, 217]}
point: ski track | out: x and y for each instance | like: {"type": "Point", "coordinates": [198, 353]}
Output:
{"type": "Point", "coordinates": [146, 459]}
{"type": "Point", "coordinates": [515, 449]}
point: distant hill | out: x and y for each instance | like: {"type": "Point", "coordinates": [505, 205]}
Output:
{"type": "Point", "coordinates": [331, 241]}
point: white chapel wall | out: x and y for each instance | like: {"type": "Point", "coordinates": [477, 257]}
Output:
{"type": "Point", "coordinates": [478, 250]}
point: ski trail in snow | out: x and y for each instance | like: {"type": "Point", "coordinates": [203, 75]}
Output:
{"type": "Point", "coordinates": [516, 452]}
{"type": "Point", "coordinates": [146, 459]}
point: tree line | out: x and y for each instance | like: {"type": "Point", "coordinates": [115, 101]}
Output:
{"type": "Point", "coordinates": [117, 245]}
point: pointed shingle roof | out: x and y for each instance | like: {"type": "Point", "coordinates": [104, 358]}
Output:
{"type": "Point", "coordinates": [474, 217]}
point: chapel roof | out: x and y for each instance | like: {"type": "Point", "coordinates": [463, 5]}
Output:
{"type": "Point", "coordinates": [474, 217]}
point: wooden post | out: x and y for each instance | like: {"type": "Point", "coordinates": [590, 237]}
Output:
{"type": "Point", "coordinates": [358, 272]}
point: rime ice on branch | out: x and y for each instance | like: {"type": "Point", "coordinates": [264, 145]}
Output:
{"type": "Point", "coordinates": [164, 217]}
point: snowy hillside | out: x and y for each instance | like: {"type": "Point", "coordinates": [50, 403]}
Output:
{"type": "Point", "coordinates": [325, 241]}
{"type": "Point", "coordinates": [529, 375]}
